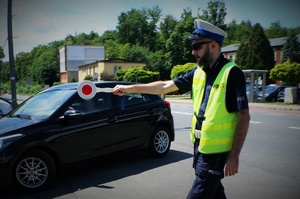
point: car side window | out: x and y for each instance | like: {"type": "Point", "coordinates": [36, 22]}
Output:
{"type": "Point", "coordinates": [135, 99]}
{"type": "Point", "coordinates": [101, 102]}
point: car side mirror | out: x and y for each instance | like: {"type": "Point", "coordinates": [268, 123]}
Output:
{"type": "Point", "coordinates": [72, 114]}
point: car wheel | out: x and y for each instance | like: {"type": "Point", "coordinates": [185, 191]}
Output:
{"type": "Point", "coordinates": [159, 143]}
{"type": "Point", "coordinates": [34, 171]}
{"type": "Point", "coordinates": [273, 99]}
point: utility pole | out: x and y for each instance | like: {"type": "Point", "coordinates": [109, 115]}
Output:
{"type": "Point", "coordinates": [11, 54]}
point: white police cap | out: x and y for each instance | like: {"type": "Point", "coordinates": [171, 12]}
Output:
{"type": "Point", "coordinates": [204, 29]}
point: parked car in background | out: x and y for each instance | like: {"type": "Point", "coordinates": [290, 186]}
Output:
{"type": "Point", "coordinates": [271, 93]}
{"type": "Point", "coordinates": [281, 94]}
{"type": "Point", "coordinates": [280, 97]}
{"type": "Point", "coordinates": [256, 90]}
{"type": "Point", "coordinates": [56, 128]}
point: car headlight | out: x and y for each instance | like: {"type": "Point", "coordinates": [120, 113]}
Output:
{"type": "Point", "coordinates": [7, 140]}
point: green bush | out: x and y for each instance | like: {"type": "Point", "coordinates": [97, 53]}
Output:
{"type": "Point", "coordinates": [181, 69]}
{"type": "Point", "coordinates": [23, 88]}
{"type": "Point", "coordinates": [140, 74]}
{"type": "Point", "coordinates": [120, 75]}
{"type": "Point", "coordinates": [56, 83]}
{"type": "Point", "coordinates": [88, 77]}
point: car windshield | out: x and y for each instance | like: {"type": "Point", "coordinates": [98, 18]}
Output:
{"type": "Point", "coordinates": [270, 89]}
{"type": "Point", "coordinates": [42, 105]}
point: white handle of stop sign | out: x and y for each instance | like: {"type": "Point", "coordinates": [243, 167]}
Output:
{"type": "Point", "coordinates": [87, 90]}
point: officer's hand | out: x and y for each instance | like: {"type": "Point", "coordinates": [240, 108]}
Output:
{"type": "Point", "coordinates": [232, 166]}
{"type": "Point", "coordinates": [119, 90]}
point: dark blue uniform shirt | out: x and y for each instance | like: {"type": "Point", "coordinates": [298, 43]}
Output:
{"type": "Point", "coordinates": [236, 98]}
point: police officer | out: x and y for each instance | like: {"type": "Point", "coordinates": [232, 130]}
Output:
{"type": "Point", "coordinates": [221, 114]}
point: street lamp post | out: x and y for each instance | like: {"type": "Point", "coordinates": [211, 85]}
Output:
{"type": "Point", "coordinates": [11, 54]}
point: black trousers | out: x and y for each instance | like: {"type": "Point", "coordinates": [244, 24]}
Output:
{"type": "Point", "coordinates": [209, 170]}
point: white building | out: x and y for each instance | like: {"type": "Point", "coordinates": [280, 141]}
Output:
{"type": "Point", "coordinates": [73, 56]}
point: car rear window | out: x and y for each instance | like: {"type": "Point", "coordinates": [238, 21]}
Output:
{"type": "Point", "coordinates": [135, 99]}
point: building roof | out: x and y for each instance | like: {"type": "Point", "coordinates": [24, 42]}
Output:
{"type": "Point", "coordinates": [231, 48]}
{"type": "Point", "coordinates": [113, 61]}
{"type": "Point", "coordinates": [117, 60]}
{"type": "Point", "coordinates": [273, 42]}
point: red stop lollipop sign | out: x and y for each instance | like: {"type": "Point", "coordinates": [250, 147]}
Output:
{"type": "Point", "coordinates": [87, 90]}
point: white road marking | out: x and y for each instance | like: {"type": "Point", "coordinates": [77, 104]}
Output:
{"type": "Point", "coordinates": [183, 113]}
{"type": "Point", "coordinates": [255, 122]}
{"type": "Point", "coordinates": [294, 127]}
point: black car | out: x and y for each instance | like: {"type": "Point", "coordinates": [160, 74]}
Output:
{"type": "Point", "coordinates": [280, 96]}
{"type": "Point", "coordinates": [56, 128]}
{"type": "Point", "coordinates": [271, 93]}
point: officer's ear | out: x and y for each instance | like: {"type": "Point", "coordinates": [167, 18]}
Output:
{"type": "Point", "coordinates": [215, 44]}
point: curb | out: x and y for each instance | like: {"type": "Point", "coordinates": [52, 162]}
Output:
{"type": "Point", "coordinates": [292, 107]}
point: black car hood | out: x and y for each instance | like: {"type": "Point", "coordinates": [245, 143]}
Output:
{"type": "Point", "coordinates": [8, 124]}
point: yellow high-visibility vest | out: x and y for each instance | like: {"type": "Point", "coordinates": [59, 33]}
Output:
{"type": "Point", "coordinates": [218, 128]}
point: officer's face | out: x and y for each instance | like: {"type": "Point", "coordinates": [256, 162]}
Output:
{"type": "Point", "coordinates": [202, 53]}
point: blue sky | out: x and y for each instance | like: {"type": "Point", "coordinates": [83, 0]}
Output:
{"type": "Point", "coordinates": [38, 22]}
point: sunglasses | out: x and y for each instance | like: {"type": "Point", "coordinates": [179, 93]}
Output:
{"type": "Point", "coordinates": [198, 46]}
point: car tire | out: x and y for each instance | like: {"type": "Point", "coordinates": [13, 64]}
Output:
{"type": "Point", "coordinates": [273, 99]}
{"type": "Point", "coordinates": [159, 143]}
{"type": "Point", "coordinates": [34, 171]}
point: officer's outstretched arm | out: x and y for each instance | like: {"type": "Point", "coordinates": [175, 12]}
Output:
{"type": "Point", "coordinates": [158, 87]}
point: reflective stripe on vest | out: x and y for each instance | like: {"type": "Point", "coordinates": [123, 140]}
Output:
{"type": "Point", "coordinates": [218, 128]}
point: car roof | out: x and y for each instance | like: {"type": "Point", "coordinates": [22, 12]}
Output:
{"type": "Point", "coordinates": [101, 84]}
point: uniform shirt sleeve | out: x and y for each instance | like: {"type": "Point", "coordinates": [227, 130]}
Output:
{"type": "Point", "coordinates": [236, 97]}
{"type": "Point", "coordinates": [184, 82]}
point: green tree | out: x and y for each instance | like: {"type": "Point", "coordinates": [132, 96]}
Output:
{"type": "Point", "coordinates": [1, 64]}
{"type": "Point", "coordinates": [45, 67]}
{"type": "Point", "coordinates": [134, 53]}
{"type": "Point", "coordinates": [275, 31]}
{"type": "Point", "coordinates": [139, 27]}
{"type": "Point", "coordinates": [178, 46]}
{"type": "Point", "coordinates": [215, 14]}
{"type": "Point", "coordinates": [238, 33]}
{"type": "Point", "coordinates": [286, 72]}
{"type": "Point", "coordinates": [291, 47]}
{"type": "Point", "coordinates": [257, 52]}
{"type": "Point", "coordinates": [109, 35]}
{"type": "Point", "coordinates": [157, 62]}
{"type": "Point", "coordinates": [4, 73]}
{"type": "Point", "coordinates": [1, 54]}
{"type": "Point", "coordinates": [22, 62]}
{"type": "Point", "coordinates": [167, 26]}
{"type": "Point", "coordinates": [241, 56]}
{"type": "Point", "coordinates": [112, 49]}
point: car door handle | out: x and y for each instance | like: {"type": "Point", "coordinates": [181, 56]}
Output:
{"type": "Point", "coordinates": [112, 120]}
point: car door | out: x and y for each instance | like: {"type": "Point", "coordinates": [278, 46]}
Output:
{"type": "Point", "coordinates": [94, 134]}
{"type": "Point", "coordinates": [135, 119]}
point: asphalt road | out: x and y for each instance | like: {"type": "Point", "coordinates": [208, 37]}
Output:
{"type": "Point", "coordinates": [269, 165]}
